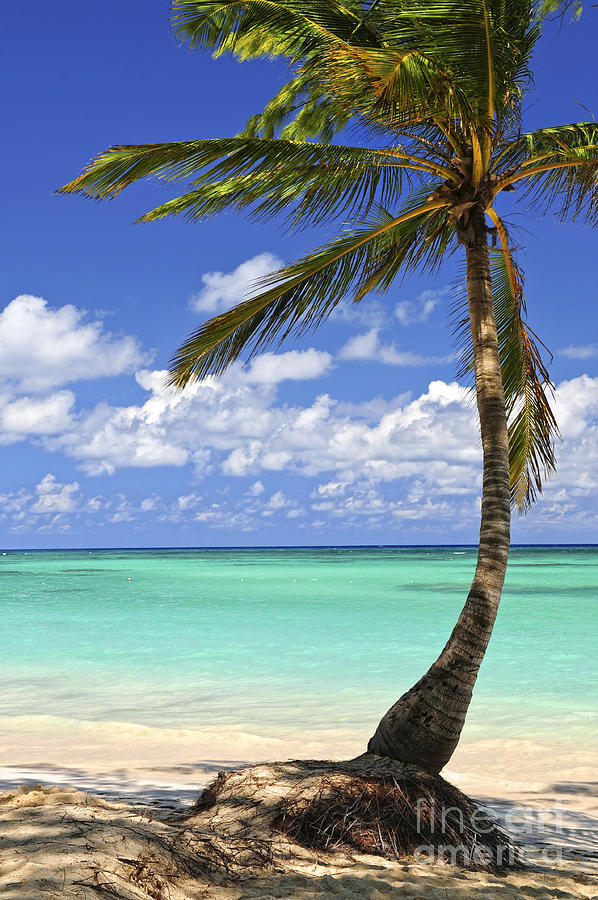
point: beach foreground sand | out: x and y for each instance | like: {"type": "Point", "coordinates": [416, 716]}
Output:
{"type": "Point", "coordinates": [57, 841]}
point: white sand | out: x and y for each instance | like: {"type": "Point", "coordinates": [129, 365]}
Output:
{"type": "Point", "coordinates": [59, 841]}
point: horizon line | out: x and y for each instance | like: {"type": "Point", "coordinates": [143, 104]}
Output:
{"type": "Point", "coordinates": [7, 550]}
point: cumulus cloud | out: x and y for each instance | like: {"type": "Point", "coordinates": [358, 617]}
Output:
{"type": "Point", "coordinates": [256, 489]}
{"type": "Point", "coordinates": [25, 416]}
{"type": "Point", "coordinates": [235, 426]}
{"type": "Point", "coordinates": [46, 508]}
{"type": "Point", "coordinates": [367, 346]}
{"type": "Point", "coordinates": [412, 312]}
{"type": "Point", "coordinates": [295, 365]}
{"type": "Point", "coordinates": [222, 290]}
{"type": "Point", "coordinates": [417, 460]}
{"type": "Point", "coordinates": [54, 497]}
{"type": "Point", "coordinates": [42, 348]}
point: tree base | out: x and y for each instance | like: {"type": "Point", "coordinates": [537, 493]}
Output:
{"type": "Point", "coordinates": [369, 804]}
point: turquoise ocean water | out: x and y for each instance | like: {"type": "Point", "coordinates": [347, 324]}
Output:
{"type": "Point", "coordinates": [280, 640]}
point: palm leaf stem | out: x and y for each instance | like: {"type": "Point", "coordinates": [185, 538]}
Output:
{"type": "Point", "coordinates": [511, 179]}
{"type": "Point", "coordinates": [430, 145]}
{"type": "Point", "coordinates": [478, 160]}
{"type": "Point", "coordinates": [504, 241]}
{"type": "Point", "coordinates": [424, 164]}
{"type": "Point", "coordinates": [487, 141]}
{"type": "Point", "coordinates": [452, 140]}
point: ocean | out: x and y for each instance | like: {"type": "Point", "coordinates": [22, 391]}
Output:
{"type": "Point", "coordinates": [277, 642]}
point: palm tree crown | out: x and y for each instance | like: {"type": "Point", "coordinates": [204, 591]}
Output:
{"type": "Point", "coordinates": [438, 87]}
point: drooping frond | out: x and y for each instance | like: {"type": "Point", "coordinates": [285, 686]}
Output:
{"type": "Point", "coordinates": [300, 296]}
{"type": "Point", "coordinates": [531, 422]}
{"type": "Point", "coordinates": [526, 382]}
{"type": "Point", "coordinates": [556, 166]}
{"type": "Point", "coordinates": [422, 243]}
{"type": "Point", "coordinates": [263, 176]}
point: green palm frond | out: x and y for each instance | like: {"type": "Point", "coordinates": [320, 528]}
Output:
{"type": "Point", "coordinates": [484, 44]}
{"type": "Point", "coordinates": [422, 243]}
{"type": "Point", "coordinates": [286, 102]}
{"type": "Point", "coordinates": [393, 87]}
{"type": "Point", "coordinates": [291, 28]}
{"type": "Point", "coordinates": [299, 111]}
{"type": "Point", "coordinates": [303, 294]}
{"type": "Point", "coordinates": [264, 176]}
{"type": "Point", "coordinates": [557, 167]}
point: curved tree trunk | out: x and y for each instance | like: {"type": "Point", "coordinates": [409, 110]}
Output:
{"type": "Point", "coordinates": [424, 725]}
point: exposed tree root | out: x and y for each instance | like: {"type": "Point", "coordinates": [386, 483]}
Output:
{"type": "Point", "coordinates": [370, 805]}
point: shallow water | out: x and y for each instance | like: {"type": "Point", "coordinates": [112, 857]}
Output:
{"type": "Point", "coordinates": [276, 641]}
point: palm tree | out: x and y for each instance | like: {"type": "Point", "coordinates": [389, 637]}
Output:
{"type": "Point", "coordinates": [436, 89]}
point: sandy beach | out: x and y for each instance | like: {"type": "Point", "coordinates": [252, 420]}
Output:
{"type": "Point", "coordinates": [87, 819]}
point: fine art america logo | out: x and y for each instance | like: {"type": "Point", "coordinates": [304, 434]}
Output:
{"type": "Point", "coordinates": [490, 830]}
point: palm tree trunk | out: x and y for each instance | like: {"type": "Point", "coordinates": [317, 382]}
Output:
{"type": "Point", "coordinates": [424, 725]}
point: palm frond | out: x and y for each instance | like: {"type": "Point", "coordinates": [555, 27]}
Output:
{"type": "Point", "coordinates": [393, 87]}
{"type": "Point", "coordinates": [422, 243]}
{"type": "Point", "coordinates": [532, 425]}
{"type": "Point", "coordinates": [298, 297]}
{"type": "Point", "coordinates": [558, 167]}
{"type": "Point", "coordinates": [291, 28]}
{"type": "Point", "coordinates": [526, 382]}
{"type": "Point", "coordinates": [484, 44]}
{"type": "Point", "coordinates": [301, 110]}
{"type": "Point", "coordinates": [464, 58]}
{"type": "Point", "coordinates": [261, 175]}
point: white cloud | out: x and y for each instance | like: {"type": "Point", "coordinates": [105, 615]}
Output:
{"type": "Point", "coordinates": [278, 500]}
{"type": "Point", "coordinates": [42, 348]}
{"type": "Point", "coordinates": [411, 312]}
{"type": "Point", "coordinates": [35, 415]}
{"type": "Point", "coordinates": [222, 290]}
{"type": "Point", "coordinates": [54, 497]}
{"type": "Point", "coordinates": [149, 504]}
{"type": "Point", "coordinates": [576, 404]}
{"type": "Point", "coordinates": [370, 313]}
{"type": "Point", "coordinates": [581, 351]}
{"type": "Point", "coordinates": [295, 365]}
{"type": "Point", "coordinates": [187, 501]}
{"type": "Point", "coordinates": [256, 489]}
{"type": "Point", "coordinates": [108, 438]}
{"type": "Point", "coordinates": [235, 425]}
{"type": "Point", "coordinates": [367, 346]}
{"type": "Point", "coordinates": [400, 459]}
{"type": "Point", "coordinates": [14, 502]}
{"type": "Point", "coordinates": [331, 489]}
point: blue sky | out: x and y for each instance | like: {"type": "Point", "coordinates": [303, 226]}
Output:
{"type": "Point", "coordinates": [357, 434]}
